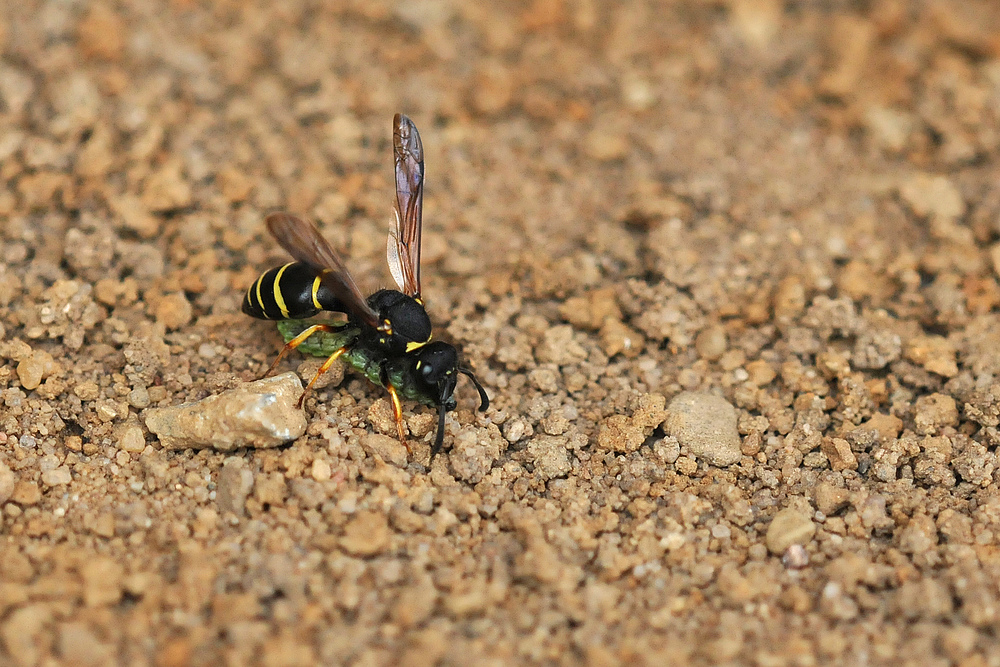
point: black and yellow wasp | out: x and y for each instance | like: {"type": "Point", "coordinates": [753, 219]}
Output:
{"type": "Point", "coordinates": [387, 337]}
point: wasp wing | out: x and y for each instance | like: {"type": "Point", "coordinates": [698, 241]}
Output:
{"type": "Point", "coordinates": [303, 241]}
{"type": "Point", "coordinates": [392, 256]}
{"type": "Point", "coordinates": [404, 258]}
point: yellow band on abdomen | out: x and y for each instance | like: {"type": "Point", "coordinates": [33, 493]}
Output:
{"type": "Point", "coordinates": [315, 289]}
{"type": "Point", "coordinates": [260, 303]}
{"type": "Point", "coordinates": [278, 299]}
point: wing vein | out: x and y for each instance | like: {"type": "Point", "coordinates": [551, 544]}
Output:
{"type": "Point", "coordinates": [409, 166]}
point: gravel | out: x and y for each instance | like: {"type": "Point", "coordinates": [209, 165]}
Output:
{"type": "Point", "coordinates": [705, 425]}
{"type": "Point", "coordinates": [259, 414]}
{"type": "Point", "coordinates": [728, 271]}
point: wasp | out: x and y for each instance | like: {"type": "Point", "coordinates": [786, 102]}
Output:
{"type": "Point", "coordinates": [387, 337]}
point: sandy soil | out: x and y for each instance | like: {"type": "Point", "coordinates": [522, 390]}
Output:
{"type": "Point", "coordinates": [729, 271]}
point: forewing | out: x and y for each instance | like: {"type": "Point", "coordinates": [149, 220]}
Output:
{"type": "Point", "coordinates": [409, 162]}
{"type": "Point", "coordinates": [303, 241]}
{"type": "Point", "coordinates": [392, 257]}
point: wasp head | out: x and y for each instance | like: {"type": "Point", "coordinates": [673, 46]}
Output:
{"type": "Point", "coordinates": [437, 369]}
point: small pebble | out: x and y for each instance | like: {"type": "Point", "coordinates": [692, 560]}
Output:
{"type": "Point", "coordinates": [102, 581]}
{"type": "Point", "coordinates": [605, 145]}
{"type": "Point", "coordinates": [26, 493]}
{"type": "Point", "coordinates": [686, 465]}
{"type": "Point", "coordinates": [721, 531]}
{"type": "Point", "coordinates": [79, 645]}
{"type": "Point", "coordinates": [320, 470]}
{"type": "Point", "coordinates": [851, 38]}
{"type": "Point", "coordinates": [788, 527]}
{"type": "Point", "coordinates": [516, 429]}
{"type": "Point", "coordinates": [494, 86]}
{"type": "Point", "coordinates": [234, 184]}
{"type": "Point", "coordinates": [420, 424]}
{"type": "Point", "coordinates": [173, 311]}
{"type": "Point", "coordinates": [104, 525]}
{"type": "Point", "coordinates": [887, 426]}
{"type": "Point", "coordinates": [139, 398]}
{"type": "Point", "coordinates": [560, 347]}
{"type": "Point", "coordinates": [667, 449]}
{"type": "Point", "coordinates": [57, 477]}
{"type": "Point", "coordinates": [381, 417]}
{"type": "Point", "coordinates": [934, 412]}
{"type": "Point", "coordinates": [7, 481]}
{"type": "Point", "coordinates": [920, 535]}
{"type": "Point", "coordinates": [757, 22]}
{"type": "Point", "coordinates": [29, 372]}
{"type": "Point", "coordinates": [259, 414]}
{"type": "Point", "coordinates": [549, 456]}
{"type": "Point", "coordinates": [34, 368]}
{"type": "Point", "coordinates": [838, 452]}
{"type": "Point", "coordinates": [22, 633]}
{"type": "Point", "coordinates": [135, 216]}
{"type": "Point", "coordinates": [389, 449]}
{"type": "Point", "coordinates": [705, 424]}
{"type": "Point", "coordinates": [131, 439]}
{"type": "Point", "coordinates": [270, 488]}
{"type": "Point", "coordinates": [637, 93]}
{"type": "Point", "coordinates": [890, 128]}
{"type": "Point", "coordinates": [933, 196]}
{"type": "Point", "coordinates": [830, 499]}
{"type": "Point", "coordinates": [366, 534]}
{"type": "Point", "coordinates": [619, 434]}
{"type": "Point", "coordinates": [616, 337]}
{"type": "Point", "coordinates": [107, 410]}
{"type": "Point", "coordinates": [331, 378]}
{"type": "Point", "coordinates": [102, 34]}
{"type": "Point", "coordinates": [795, 557]}
{"type": "Point", "coordinates": [711, 343]}
{"type": "Point", "coordinates": [934, 353]}
{"type": "Point", "coordinates": [166, 189]}
{"type": "Point", "coordinates": [544, 379]}
{"type": "Point", "coordinates": [622, 433]}
{"type": "Point", "coordinates": [87, 391]}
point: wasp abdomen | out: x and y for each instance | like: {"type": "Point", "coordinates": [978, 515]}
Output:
{"type": "Point", "coordinates": [289, 292]}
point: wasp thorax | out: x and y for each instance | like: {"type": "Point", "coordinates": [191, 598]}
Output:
{"type": "Point", "coordinates": [407, 320]}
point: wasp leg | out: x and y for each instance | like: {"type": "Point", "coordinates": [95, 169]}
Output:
{"type": "Point", "coordinates": [295, 342]}
{"type": "Point", "coordinates": [322, 369]}
{"type": "Point", "coordinates": [397, 411]}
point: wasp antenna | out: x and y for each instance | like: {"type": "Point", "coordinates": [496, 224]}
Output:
{"type": "Point", "coordinates": [439, 438]}
{"type": "Point", "coordinates": [484, 400]}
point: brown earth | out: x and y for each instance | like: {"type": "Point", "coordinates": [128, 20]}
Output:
{"type": "Point", "coordinates": [791, 206]}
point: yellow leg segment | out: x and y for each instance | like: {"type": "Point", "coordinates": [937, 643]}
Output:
{"type": "Point", "coordinates": [397, 411]}
{"type": "Point", "coordinates": [322, 369]}
{"type": "Point", "coordinates": [295, 342]}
